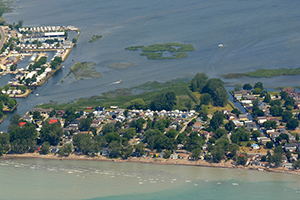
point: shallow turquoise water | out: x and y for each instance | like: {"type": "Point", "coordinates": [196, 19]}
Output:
{"type": "Point", "coordinates": [93, 180]}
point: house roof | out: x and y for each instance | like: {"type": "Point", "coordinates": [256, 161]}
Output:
{"type": "Point", "coordinates": [52, 121]}
{"type": "Point", "coordinates": [22, 123]}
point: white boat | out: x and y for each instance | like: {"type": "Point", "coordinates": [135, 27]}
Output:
{"type": "Point", "coordinates": [37, 95]}
{"type": "Point", "coordinates": [220, 45]}
{"type": "Point", "coordinates": [117, 82]}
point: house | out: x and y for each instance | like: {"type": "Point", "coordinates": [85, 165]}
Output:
{"type": "Point", "coordinates": [261, 120]}
{"type": "Point", "coordinates": [288, 165]}
{"type": "Point", "coordinates": [255, 146]}
{"type": "Point", "coordinates": [27, 118]}
{"type": "Point", "coordinates": [251, 97]}
{"type": "Point", "coordinates": [251, 125]}
{"type": "Point", "coordinates": [241, 93]}
{"type": "Point", "coordinates": [290, 147]}
{"type": "Point", "coordinates": [274, 135]}
{"type": "Point", "coordinates": [174, 156]}
{"type": "Point", "coordinates": [262, 105]}
{"type": "Point", "coordinates": [288, 90]}
{"type": "Point", "coordinates": [43, 110]}
{"type": "Point", "coordinates": [52, 121]}
{"type": "Point", "coordinates": [231, 116]}
{"type": "Point", "coordinates": [243, 117]}
{"type": "Point", "coordinates": [60, 113]}
{"type": "Point", "coordinates": [263, 140]}
{"type": "Point", "coordinates": [246, 102]}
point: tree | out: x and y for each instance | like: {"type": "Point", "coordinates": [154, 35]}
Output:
{"type": "Point", "coordinates": [112, 136]}
{"type": "Point", "coordinates": [219, 133]}
{"type": "Point", "coordinates": [74, 40]}
{"type": "Point", "coordinates": [255, 134]}
{"type": "Point", "coordinates": [115, 149]}
{"type": "Point", "coordinates": [215, 87]}
{"type": "Point", "coordinates": [292, 124]}
{"type": "Point", "coordinates": [22, 139]}
{"type": "Point", "coordinates": [276, 158]}
{"type": "Point", "coordinates": [217, 120]}
{"type": "Point", "coordinates": [270, 125]}
{"type": "Point", "coordinates": [83, 142]}
{"type": "Point", "coordinates": [196, 153]}
{"type": "Point", "coordinates": [240, 134]}
{"type": "Point", "coordinates": [259, 85]}
{"type": "Point", "coordinates": [269, 145]}
{"type": "Point", "coordinates": [284, 95]}
{"type": "Point", "coordinates": [205, 99]}
{"type": "Point", "coordinates": [289, 102]}
{"type": "Point", "coordinates": [286, 115]}
{"type": "Point", "coordinates": [51, 133]}
{"type": "Point", "coordinates": [4, 143]}
{"type": "Point", "coordinates": [45, 148]}
{"type": "Point", "coordinates": [267, 98]}
{"type": "Point", "coordinates": [107, 128]}
{"type": "Point", "coordinates": [66, 150]}
{"type": "Point", "coordinates": [85, 124]}
{"type": "Point", "coordinates": [257, 91]}
{"type": "Point", "coordinates": [276, 111]}
{"type": "Point", "coordinates": [247, 86]}
{"type": "Point", "coordinates": [217, 153]}
{"type": "Point", "coordinates": [242, 159]}
{"type": "Point", "coordinates": [127, 152]}
{"type": "Point", "coordinates": [37, 115]}
{"type": "Point", "coordinates": [163, 101]}
{"type": "Point", "coordinates": [229, 126]}
{"type": "Point", "coordinates": [20, 23]}
{"type": "Point", "coordinates": [52, 113]}
{"type": "Point", "coordinates": [198, 82]}
{"type": "Point", "coordinates": [137, 104]}
{"type": "Point", "coordinates": [140, 149]}
{"type": "Point", "coordinates": [275, 102]}
{"type": "Point", "coordinates": [236, 111]}
{"type": "Point", "coordinates": [15, 119]}
{"type": "Point", "coordinates": [167, 154]}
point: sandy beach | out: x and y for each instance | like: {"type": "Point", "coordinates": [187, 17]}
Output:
{"type": "Point", "coordinates": [148, 160]}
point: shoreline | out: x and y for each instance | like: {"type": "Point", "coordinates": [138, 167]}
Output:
{"type": "Point", "coordinates": [148, 160]}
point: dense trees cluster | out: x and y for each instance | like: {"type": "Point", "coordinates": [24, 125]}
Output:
{"type": "Point", "coordinates": [214, 87]}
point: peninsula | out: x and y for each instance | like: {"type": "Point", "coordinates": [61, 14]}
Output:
{"type": "Point", "coordinates": [155, 131]}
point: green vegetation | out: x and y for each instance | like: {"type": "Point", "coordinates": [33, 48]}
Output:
{"type": "Point", "coordinates": [122, 65]}
{"type": "Point", "coordinates": [95, 38]}
{"type": "Point", "coordinates": [213, 87]}
{"type": "Point", "coordinates": [123, 97]}
{"type": "Point", "coordinates": [84, 70]}
{"type": "Point", "coordinates": [5, 6]}
{"type": "Point", "coordinates": [268, 73]}
{"type": "Point", "coordinates": [155, 51]}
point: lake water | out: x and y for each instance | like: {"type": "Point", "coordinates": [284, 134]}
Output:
{"type": "Point", "coordinates": [54, 179]}
{"type": "Point", "coordinates": [254, 34]}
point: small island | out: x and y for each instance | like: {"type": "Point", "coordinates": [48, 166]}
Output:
{"type": "Point", "coordinates": [95, 38]}
{"type": "Point", "coordinates": [122, 65]}
{"type": "Point", "coordinates": [268, 73]}
{"type": "Point", "coordinates": [84, 70]}
{"type": "Point", "coordinates": [170, 50]}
